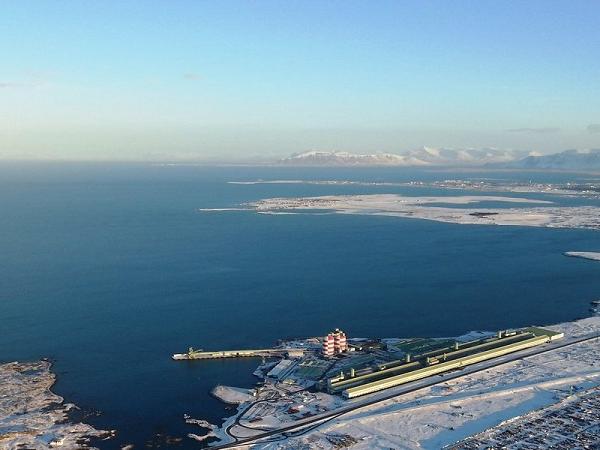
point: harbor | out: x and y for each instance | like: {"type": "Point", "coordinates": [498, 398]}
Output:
{"type": "Point", "coordinates": [303, 389]}
{"type": "Point", "coordinates": [351, 368]}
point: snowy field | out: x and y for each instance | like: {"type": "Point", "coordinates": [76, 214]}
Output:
{"type": "Point", "coordinates": [586, 189]}
{"type": "Point", "coordinates": [427, 208]}
{"type": "Point", "coordinates": [232, 395]}
{"type": "Point", "coordinates": [571, 424]}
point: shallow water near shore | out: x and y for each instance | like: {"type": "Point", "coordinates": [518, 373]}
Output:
{"type": "Point", "coordinates": [109, 269]}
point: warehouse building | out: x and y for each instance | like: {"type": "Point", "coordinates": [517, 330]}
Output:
{"type": "Point", "coordinates": [435, 362]}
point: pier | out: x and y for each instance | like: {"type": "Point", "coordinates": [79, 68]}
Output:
{"type": "Point", "coordinates": [265, 352]}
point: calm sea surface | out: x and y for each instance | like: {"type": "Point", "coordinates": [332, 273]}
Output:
{"type": "Point", "coordinates": [109, 269]}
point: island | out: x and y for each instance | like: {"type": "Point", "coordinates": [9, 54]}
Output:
{"type": "Point", "coordinates": [450, 209]}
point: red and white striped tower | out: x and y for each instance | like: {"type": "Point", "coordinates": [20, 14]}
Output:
{"type": "Point", "coordinates": [328, 345]}
{"type": "Point", "coordinates": [343, 343]}
{"type": "Point", "coordinates": [339, 343]}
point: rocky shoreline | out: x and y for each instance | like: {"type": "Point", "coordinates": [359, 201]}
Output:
{"type": "Point", "coordinates": [33, 417]}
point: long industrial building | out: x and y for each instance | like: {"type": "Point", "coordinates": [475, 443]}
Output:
{"type": "Point", "coordinates": [438, 361]}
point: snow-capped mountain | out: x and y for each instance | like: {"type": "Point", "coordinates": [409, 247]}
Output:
{"type": "Point", "coordinates": [345, 158]}
{"type": "Point", "coordinates": [425, 156]}
{"type": "Point", "coordinates": [567, 160]}
{"type": "Point", "coordinates": [465, 156]}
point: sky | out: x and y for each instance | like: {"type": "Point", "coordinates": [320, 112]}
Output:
{"type": "Point", "coordinates": [251, 80]}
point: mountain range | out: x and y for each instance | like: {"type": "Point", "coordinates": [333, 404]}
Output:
{"type": "Point", "coordinates": [427, 156]}
{"type": "Point", "coordinates": [567, 160]}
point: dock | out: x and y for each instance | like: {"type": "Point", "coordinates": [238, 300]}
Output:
{"type": "Point", "coordinates": [264, 352]}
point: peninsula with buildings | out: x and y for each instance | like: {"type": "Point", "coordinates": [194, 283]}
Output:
{"type": "Point", "coordinates": [338, 391]}
{"type": "Point", "coordinates": [465, 209]}
{"type": "Point", "coordinates": [450, 209]}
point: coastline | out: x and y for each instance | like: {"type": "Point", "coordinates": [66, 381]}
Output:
{"type": "Point", "coordinates": [493, 396]}
{"type": "Point", "coordinates": [35, 417]}
{"type": "Point", "coordinates": [427, 208]}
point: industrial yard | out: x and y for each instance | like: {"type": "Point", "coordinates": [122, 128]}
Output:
{"type": "Point", "coordinates": [436, 360]}
{"type": "Point", "coordinates": [355, 367]}
{"type": "Point", "coordinates": [445, 411]}
{"type": "Point", "coordinates": [344, 379]}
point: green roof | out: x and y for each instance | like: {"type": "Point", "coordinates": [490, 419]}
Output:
{"type": "Point", "coordinates": [541, 331]}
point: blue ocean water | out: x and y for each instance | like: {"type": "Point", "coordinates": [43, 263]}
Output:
{"type": "Point", "coordinates": [110, 268]}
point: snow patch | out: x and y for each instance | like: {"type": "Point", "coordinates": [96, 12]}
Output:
{"type": "Point", "coordinates": [594, 256]}
{"type": "Point", "coordinates": [232, 395]}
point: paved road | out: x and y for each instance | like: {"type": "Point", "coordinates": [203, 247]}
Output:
{"type": "Point", "coordinates": [405, 389]}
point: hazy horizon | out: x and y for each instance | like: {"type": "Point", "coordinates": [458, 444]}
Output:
{"type": "Point", "coordinates": [256, 81]}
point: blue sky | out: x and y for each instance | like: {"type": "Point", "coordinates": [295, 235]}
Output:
{"type": "Point", "coordinates": [260, 79]}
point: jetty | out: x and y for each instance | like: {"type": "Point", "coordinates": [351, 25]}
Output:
{"type": "Point", "coordinates": [264, 352]}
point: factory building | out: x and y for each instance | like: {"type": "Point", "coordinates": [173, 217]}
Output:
{"type": "Point", "coordinates": [334, 343]}
{"type": "Point", "coordinates": [440, 361]}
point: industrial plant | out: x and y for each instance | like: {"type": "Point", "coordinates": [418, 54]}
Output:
{"type": "Point", "coordinates": [350, 368]}
{"type": "Point", "coordinates": [334, 343]}
{"type": "Point", "coordinates": [387, 373]}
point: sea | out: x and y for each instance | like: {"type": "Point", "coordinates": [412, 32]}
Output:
{"type": "Point", "coordinates": [109, 269]}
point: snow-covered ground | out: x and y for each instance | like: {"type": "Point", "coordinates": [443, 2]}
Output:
{"type": "Point", "coordinates": [232, 395]}
{"type": "Point", "coordinates": [585, 189]}
{"type": "Point", "coordinates": [33, 417]}
{"type": "Point", "coordinates": [446, 413]}
{"type": "Point", "coordinates": [573, 423]}
{"type": "Point", "coordinates": [595, 256]}
{"type": "Point", "coordinates": [421, 208]}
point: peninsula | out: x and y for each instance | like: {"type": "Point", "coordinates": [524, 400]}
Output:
{"type": "Point", "coordinates": [417, 393]}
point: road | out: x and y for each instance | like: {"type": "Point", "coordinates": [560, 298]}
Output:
{"type": "Point", "coordinates": [405, 389]}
